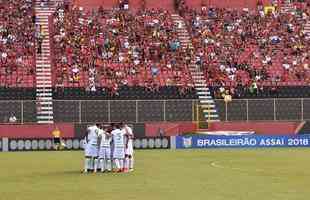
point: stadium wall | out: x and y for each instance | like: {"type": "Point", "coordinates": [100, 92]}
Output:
{"type": "Point", "coordinates": [261, 128]}
{"type": "Point", "coordinates": [153, 129]}
{"type": "Point", "coordinates": [35, 130]}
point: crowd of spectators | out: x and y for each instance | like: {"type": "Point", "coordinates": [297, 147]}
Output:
{"type": "Point", "coordinates": [17, 43]}
{"type": "Point", "coordinates": [249, 49]}
{"type": "Point", "coordinates": [110, 49]}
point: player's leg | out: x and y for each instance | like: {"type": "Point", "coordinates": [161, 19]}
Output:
{"type": "Point", "coordinates": [117, 159]}
{"type": "Point", "coordinates": [87, 161]}
{"type": "Point", "coordinates": [126, 163]}
{"type": "Point", "coordinates": [62, 144]}
{"type": "Point", "coordinates": [56, 142]}
{"type": "Point", "coordinates": [87, 164]}
{"type": "Point", "coordinates": [131, 162]}
{"type": "Point", "coordinates": [131, 159]}
{"type": "Point", "coordinates": [94, 155]}
{"type": "Point", "coordinates": [122, 158]}
{"type": "Point", "coordinates": [101, 159]}
{"type": "Point", "coordinates": [108, 163]}
{"type": "Point", "coordinates": [96, 164]}
{"type": "Point", "coordinates": [117, 164]}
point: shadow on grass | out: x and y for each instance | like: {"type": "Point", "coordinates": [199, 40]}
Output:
{"type": "Point", "coordinates": [79, 173]}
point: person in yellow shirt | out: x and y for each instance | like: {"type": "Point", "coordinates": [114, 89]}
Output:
{"type": "Point", "coordinates": [57, 138]}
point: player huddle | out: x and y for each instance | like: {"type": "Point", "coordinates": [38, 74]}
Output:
{"type": "Point", "coordinates": [109, 148]}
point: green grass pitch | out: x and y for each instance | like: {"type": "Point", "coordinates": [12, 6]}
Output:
{"type": "Point", "coordinates": [226, 174]}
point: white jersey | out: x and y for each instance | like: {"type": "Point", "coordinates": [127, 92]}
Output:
{"type": "Point", "coordinates": [105, 139]}
{"type": "Point", "coordinates": [128, 131]}
{"type": "Point", "coordinates": [118, 138]}
{"type": "Point", "coordinates": [92, 135]}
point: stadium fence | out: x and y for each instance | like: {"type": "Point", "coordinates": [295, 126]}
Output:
{"type": "Point", "coordinates": [142, 111]}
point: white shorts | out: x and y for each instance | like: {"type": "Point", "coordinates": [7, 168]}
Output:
{"type": "Point", "coordinates": [129, 150]}
{"type": "Point", "coordinates": [105, 153]}
{"type": "Point", "coordinates": [118, 153]}
{"type": "Point", "coordinates": [91, 150]}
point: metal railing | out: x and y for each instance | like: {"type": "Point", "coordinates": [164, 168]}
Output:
{"type": "Point", "coordinates": [140, 111]}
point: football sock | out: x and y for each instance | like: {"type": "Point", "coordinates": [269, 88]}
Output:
{"type": "Point", "coordinates": [117, 163]}
{"type": "Point", "coordinates": [121, 164]}
{"type": "Point", "coordinates": [101, 164]}
{"type": "Point", "coordinates": [95, 164]}
{"type": "Point", "coordinates": [126, 163]}
{"type": "Point", "coordinates": [108, 164]}
{"type": "Point", "coordinates": [86, 164]}
{"type": "Point", "coordinates": [131, 162]}
{"type": "Point", "coordinates": [91, 164]}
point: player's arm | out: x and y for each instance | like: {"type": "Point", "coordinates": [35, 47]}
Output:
{"type": "Point", "coordinates": [86, 137]}
{"type": "Point", "coordinates": [99, 139]}
{"type": "Point", "coordinates": [109, 135]}
{"type": "Point", "coordinates": [126, 136]}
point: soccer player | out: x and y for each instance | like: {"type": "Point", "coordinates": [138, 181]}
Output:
{"type": "Point", "coordinates": [118, 137]}
{"type": "Point", "coordinates": [91, 149]}
{"type": "Point", "coordinates": [105, 163]}
{"type": "Point", "coordinates": [129, 161]}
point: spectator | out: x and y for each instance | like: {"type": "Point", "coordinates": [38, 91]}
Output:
{"type": "Point", "coordinates": [124, 48]}
{"type": "Point", "coordinates": [12, 118]}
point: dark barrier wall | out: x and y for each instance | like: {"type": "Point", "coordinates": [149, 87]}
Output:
{"type": "Point", "coordinates": [35, 130]}
{"type": "Point", "coordinates": [264, 109]}
{"type": "Point", "coordinates": [122, 110]}
{"type": "Point", "coordinates": [144, 111]}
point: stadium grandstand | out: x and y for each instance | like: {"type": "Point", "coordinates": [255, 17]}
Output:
{"type": "Point", "coordinates": [57, 53]}
{"type": "Point", "coordinates": [154, 99]}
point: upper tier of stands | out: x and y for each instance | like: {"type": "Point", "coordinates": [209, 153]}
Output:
{"type": "Point", "coordinates": [17, 43]}
{"type": "Point", "coordinates": [116, 48]}
{"type": "Point", "coordinates": [109, 50]}
{"type": "Point", "coordinates": [241, 47]}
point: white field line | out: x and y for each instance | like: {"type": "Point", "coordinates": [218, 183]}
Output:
{"type": "Point", "coordinates": [219, 166]}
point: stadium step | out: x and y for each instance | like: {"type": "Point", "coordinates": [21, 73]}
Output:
{"type": "Point", "coordinates": [202, 88]}
{"type": "Point", "coordinates": [43, 65]}
{"type": "Point", "coordinates": [210, 106]}
{"type": "Point", "coordinates": [210, 111]}
{"type": "Point", "coordinates": [203, 93]}
{"type": "Point", "coordinates": [206, 101]}
{"type": "Point", "coordinates": [45, 102]}
{"type": "Point", "coordinates": [43, 89]}
{"type": "Point", "coordinates": [44, 94]}
{"type": "Point", "coordinates": [44, 117]}
{"type": "Point", "coordinates": [45, 122]}
{"type": "Point", "coordinates": [46, 108]}
{"type": "Point", "coordinates": [211, 115]}
{"type": "Point", "coordinates": [205, 97]}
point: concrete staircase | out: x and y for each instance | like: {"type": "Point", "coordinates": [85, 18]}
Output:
{"type": "Point", "coordinates": [206, 101]}
{"type": "Point", "coordinates": [44, 95]}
